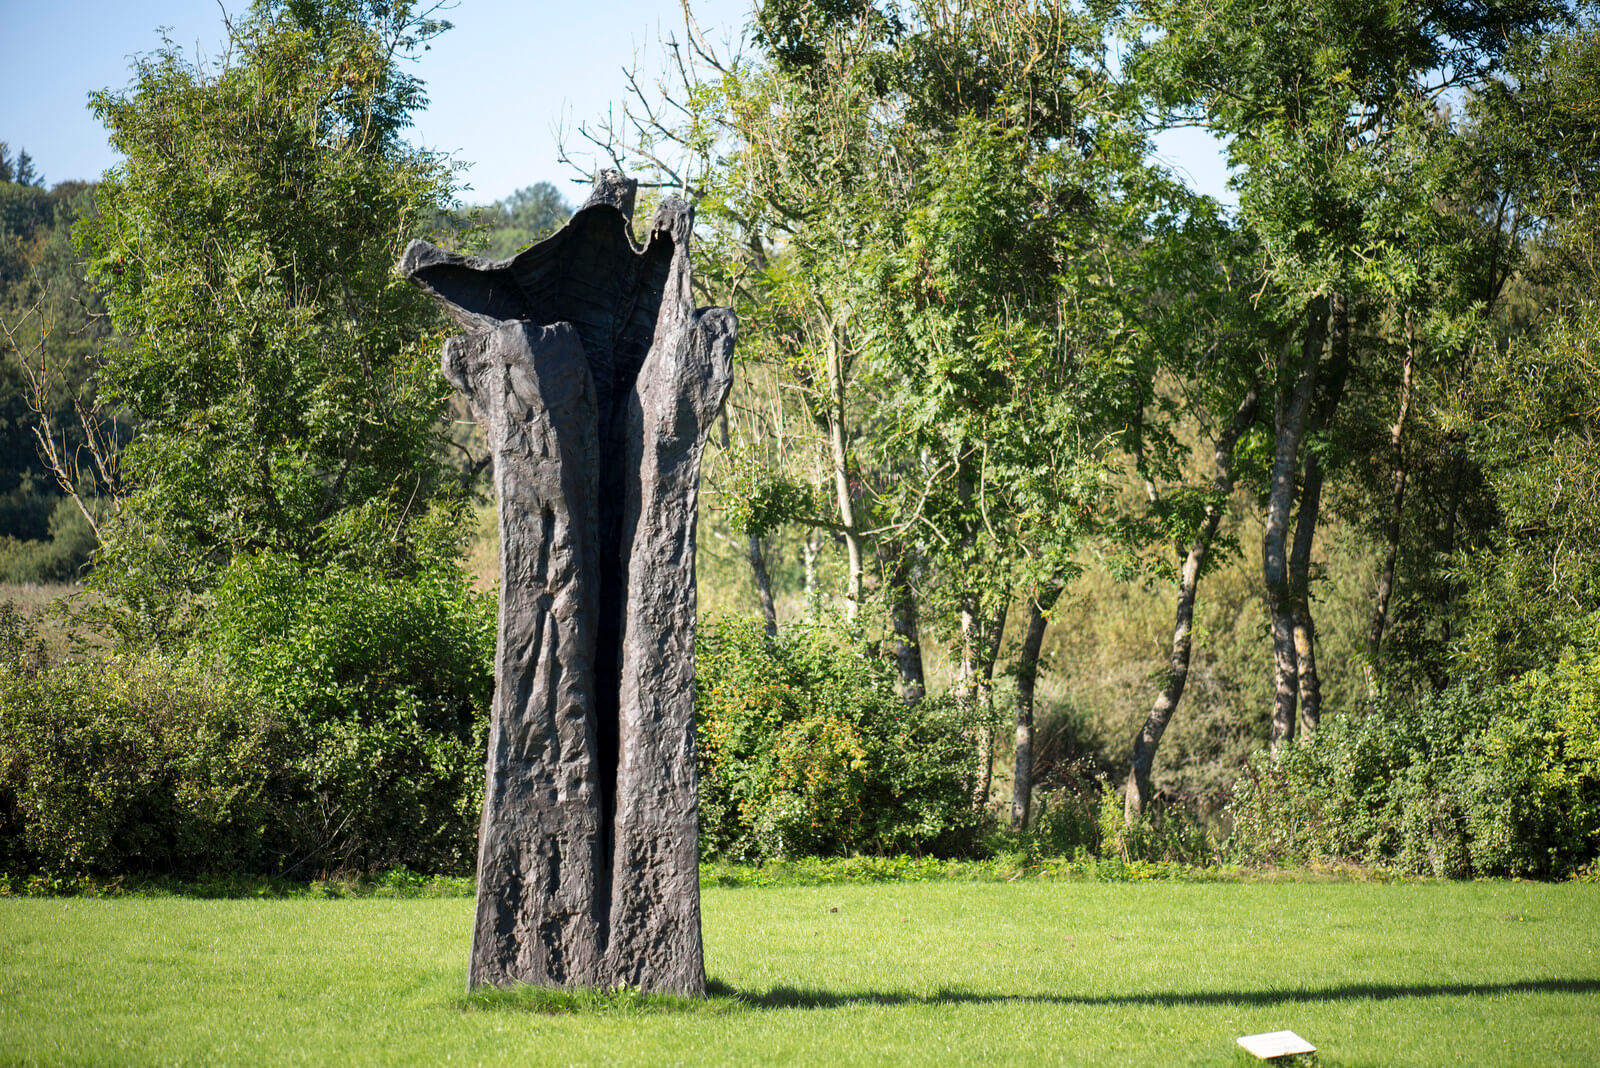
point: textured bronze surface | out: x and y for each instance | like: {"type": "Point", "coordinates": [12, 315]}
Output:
{"type": "Point", "coordinates": [596, 381]}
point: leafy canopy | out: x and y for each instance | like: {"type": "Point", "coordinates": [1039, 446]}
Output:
{"type": "Point", "coordinates": [281, 374]}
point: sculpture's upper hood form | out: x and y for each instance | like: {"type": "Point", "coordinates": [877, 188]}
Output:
{"type": "Point", "coordinates": [590, 273]}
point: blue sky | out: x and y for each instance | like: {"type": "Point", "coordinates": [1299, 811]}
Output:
{"type": "Point", "coordinates": [501, 82]}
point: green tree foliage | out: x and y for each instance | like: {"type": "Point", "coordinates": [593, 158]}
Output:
{"type": "Point", "coordinates": [1535, 577]}
{"type": "Point", "coordinates": [1494, 568]}
{"type": "Point", "coordinates": [806, 748]}
{"type": "Point", "coordinates": [280, 373]}
{"type": "Point", "coordinates": [525, 217]}
{"type": "Point", "coordinates": [288, 536]}
{"type": "Point", "coordinates": [1344, 160]}
{"type": "Point", "coordinates": [1497, 772]}
{"type": "Point", "coordinates": [914, 204]}
{"type": "Point", "coordinates": [51, 324]}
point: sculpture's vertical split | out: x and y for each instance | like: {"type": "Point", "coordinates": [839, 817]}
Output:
{"type": "Point", "coordinates": [597, 382]}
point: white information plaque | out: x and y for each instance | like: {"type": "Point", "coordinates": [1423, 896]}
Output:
{"type": "Point", "coordinates": [1276, 1044]}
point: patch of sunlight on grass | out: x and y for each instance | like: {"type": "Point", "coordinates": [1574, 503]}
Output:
{"type": "Point", "coordinates": [844, 974]}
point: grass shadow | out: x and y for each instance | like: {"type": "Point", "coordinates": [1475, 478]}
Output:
{"type": "Point", "coordinates": [783, 997]}
{"type": "Point", "coordinates": [722, 998]}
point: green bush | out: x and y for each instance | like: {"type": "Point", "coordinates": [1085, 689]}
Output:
{"type": "Point", "coordinates": [389, 679]}
{"type": "Point", "coordinates": [1531, 798]}
{"type": "Point", "coordinates": [806, 749]}
{"type": "Point", "coordinates": [327, 719]}
{"type": "Point", "coordinates": [134, 764]}
{"type": "Point", "coordinates": [1472, 781]}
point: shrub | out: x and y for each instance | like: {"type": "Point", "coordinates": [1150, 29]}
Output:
{"type": "Point", "coordinates": [389, 679]}
{"type": "Point", "coordinates": [134, 764]}
{"type": "Point", "coordinates": [1531, 796]}
{"type": "Point", "coordinates": [807, 749]}
{"type": "Point", "coordinates": [21, 648]}
{"type": "Point", "coordinates": [1497, 780]}
{"type": "Point", "coordinates": [326, 719]}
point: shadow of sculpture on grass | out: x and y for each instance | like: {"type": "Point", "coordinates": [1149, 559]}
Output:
{"type": "Point", "coordinates": [786, 997]}
{"type": "Point", "coordinates": [596, 380]}
{"type": "Point", "coordinates": [723, 998]}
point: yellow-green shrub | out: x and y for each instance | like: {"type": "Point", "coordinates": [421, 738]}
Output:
{"type": "Point", "coordinates": [806, 749]}
{"type": "Point", "coordinates": [135, 763]}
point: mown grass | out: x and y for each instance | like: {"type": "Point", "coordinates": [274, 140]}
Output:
{"type": "Point", "coordinates": [1029, 972]}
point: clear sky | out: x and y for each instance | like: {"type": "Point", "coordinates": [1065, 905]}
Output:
{"type": "Point", "coordinates": [501, 82]}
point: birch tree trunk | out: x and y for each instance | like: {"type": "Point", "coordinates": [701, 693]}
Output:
{"type": "Point", "coordinates": [1291, 409]}
{"type": "Point", "coordinates": [1139, 791]}
{"type": "Point", "coordinates": [839, 454]}
{"type": "Point", "coordinates": [810, 551]}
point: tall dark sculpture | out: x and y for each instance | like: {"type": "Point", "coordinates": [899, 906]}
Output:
{"type": "Point", "coordinates": [596, 381]}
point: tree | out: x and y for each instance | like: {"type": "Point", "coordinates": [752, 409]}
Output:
{"type": "Point", "coordinates": [530, 214]}
{"type": "Point", "coordinates": [281, 375]}
{"type": "Point", "coordinates": [1139, 790]}
{"type": "Point", "coordinates": [1326, 105]}
{"type": "Point", "coordinates": [1527, 410]}
{"type": "Point", "coordinates": [928, 209]}
{"type": "Point", "coordinates": [1002, 344]}
{"type": "Point", "coordinates": [18, 169]}
{"type": "Point", "coordinates": [51, 324]}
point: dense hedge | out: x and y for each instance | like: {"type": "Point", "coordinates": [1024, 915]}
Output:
{"type": "Point", "coordinates": [1498, 780]}
{"type": "Point", "coordinates": [335, 721]}
{"type": "Point", "coordinates": [136, 764]}
{"type": "Point", "coordinates": [329, 720]}
{"type": "Point", "coordinates": [806, 749]}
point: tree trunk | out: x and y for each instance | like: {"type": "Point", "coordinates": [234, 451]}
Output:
{"type": "Point", "coordinates": [1139, 790]}
{"type": "Point", "coordinates": [1027, 676]}
{"type": "Point", "coordinates": [1309, 685]}
{"type": "Point", "coordinates": [988, 653]}
{"type": "Point", "coordinates": [1397, 498]}
{"type": "Point", "coordinates": [839, 450]}
{"type": "Point", "coordinates": [810, 550]}
{"type": "Point", "coordinates": [758, 560]}
{"type": "Point", "coordinates": [971, 627]}
{"type": "Point", "coordinates": [758, 568]}
{"type": "Point", "coordinates": [1447, 591]}
{"type": "Point", "coordinates": [970, 624]}
{"type": "Point", "coordinates": [903, 616]}
{"type": "Point", "coordinates": [1289, 417]}
{"type": "Point", "coordinates": [1309, 682]}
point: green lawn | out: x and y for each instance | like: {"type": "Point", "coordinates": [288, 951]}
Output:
{"type": "Point", "coordinates": [936, 972]}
